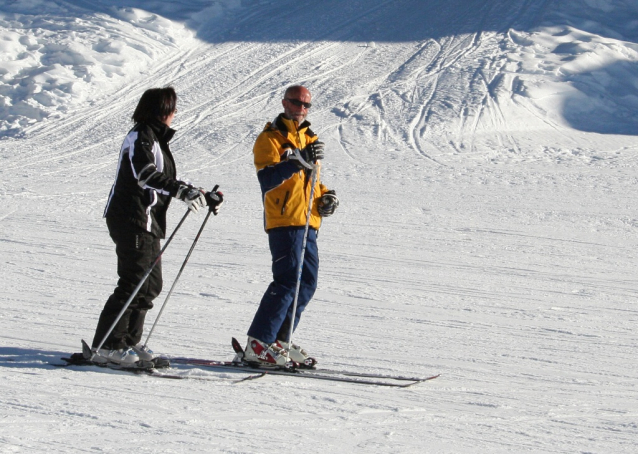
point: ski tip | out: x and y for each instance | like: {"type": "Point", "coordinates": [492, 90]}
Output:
{"type": "Point", "coordinates": [86, 350]}
{"type": "Point", "coordinates": [76, 359]}
{"type": "Point", "coordinates": [237, 346]}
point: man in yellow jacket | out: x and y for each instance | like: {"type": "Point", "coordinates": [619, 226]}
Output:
{"type": "Point", "coordinates": [286, 153]}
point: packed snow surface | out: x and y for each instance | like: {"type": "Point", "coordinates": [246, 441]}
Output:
{"type": "Point", "coordinates": [485, 155]}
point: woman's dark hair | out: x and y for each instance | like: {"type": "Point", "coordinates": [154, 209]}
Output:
{"type": "Point", "coordinates": [155, 103]}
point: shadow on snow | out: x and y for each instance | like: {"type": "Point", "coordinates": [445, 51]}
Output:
{"type": "Point", "coordinates": [29, 358]}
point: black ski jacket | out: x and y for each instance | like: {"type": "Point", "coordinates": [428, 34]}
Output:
{"type": "Point", "coordinates": [145, 180]}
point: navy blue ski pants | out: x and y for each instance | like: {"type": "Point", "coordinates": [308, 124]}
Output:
{"type": "Point", "coordinates": [273, 318]}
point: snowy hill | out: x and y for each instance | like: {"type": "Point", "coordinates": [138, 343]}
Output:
{"type": "Point", "coordinates": [485, 156]}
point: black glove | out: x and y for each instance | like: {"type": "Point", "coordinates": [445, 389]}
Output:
{"type": "Point", "coordinates": [214, 200]}
{"type": "Point", "coordinates": [327, 204]}
{"type": "Point", "coordinates": [193, 197]}
{"type": "Point", "coordinates": [309, 155]}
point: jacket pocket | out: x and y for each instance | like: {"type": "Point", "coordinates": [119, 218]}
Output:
{"type": "Point", "coordinates": [283, 206]}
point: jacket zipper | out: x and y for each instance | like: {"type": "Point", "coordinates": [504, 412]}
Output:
{"type": "Point", "coordinates": [283, 207]}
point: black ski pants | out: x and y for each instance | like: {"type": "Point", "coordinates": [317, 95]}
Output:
{"type": "Point", "coordinates": [136, 251]}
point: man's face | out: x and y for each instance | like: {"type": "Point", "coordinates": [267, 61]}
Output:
{"type": "Point", "coordinates": [297, 112]}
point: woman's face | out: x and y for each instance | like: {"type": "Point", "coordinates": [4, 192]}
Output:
{"type": "Point", "coordinates": [167, 120]}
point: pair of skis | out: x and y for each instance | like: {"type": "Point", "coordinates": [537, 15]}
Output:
{"type": "Point", "coordinates": [363, 378]}
{"type": "Point", "coordinates": [347, 376]}
{"type": "Point", "coordinates": [157, 366]}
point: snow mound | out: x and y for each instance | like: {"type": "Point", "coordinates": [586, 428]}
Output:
{"type": "Point", "coordinates": [56, 58]}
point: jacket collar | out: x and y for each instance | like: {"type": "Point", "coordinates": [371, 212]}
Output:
{"type": "Point", "coordinates": [285, 125]}
{"type": "Point", "coordinates": [162, 131]}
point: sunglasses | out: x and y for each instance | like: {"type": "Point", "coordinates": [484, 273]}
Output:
{"type": "Point", "coordinates": [298, 103]}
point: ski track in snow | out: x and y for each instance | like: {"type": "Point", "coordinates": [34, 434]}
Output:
{"type": "Point", "coordinates": [486, 232]}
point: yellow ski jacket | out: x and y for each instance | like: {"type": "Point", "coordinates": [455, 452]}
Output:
{"type": "Point", "coordinates": [286, 189]}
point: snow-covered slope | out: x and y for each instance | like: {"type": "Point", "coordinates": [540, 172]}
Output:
{"type": "Point", "coordinates": [485, 156]}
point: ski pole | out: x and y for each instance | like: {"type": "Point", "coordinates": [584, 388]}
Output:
{"type": "Point", "coordinates": [180, 272]}
{"type": "Point", "coordinates": [302, 254]}
{"type": "Point", "coordinates": [139, 286]}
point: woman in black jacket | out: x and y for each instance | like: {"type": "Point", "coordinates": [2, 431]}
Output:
{"type": "Point", "coordinates": [135, 213]}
